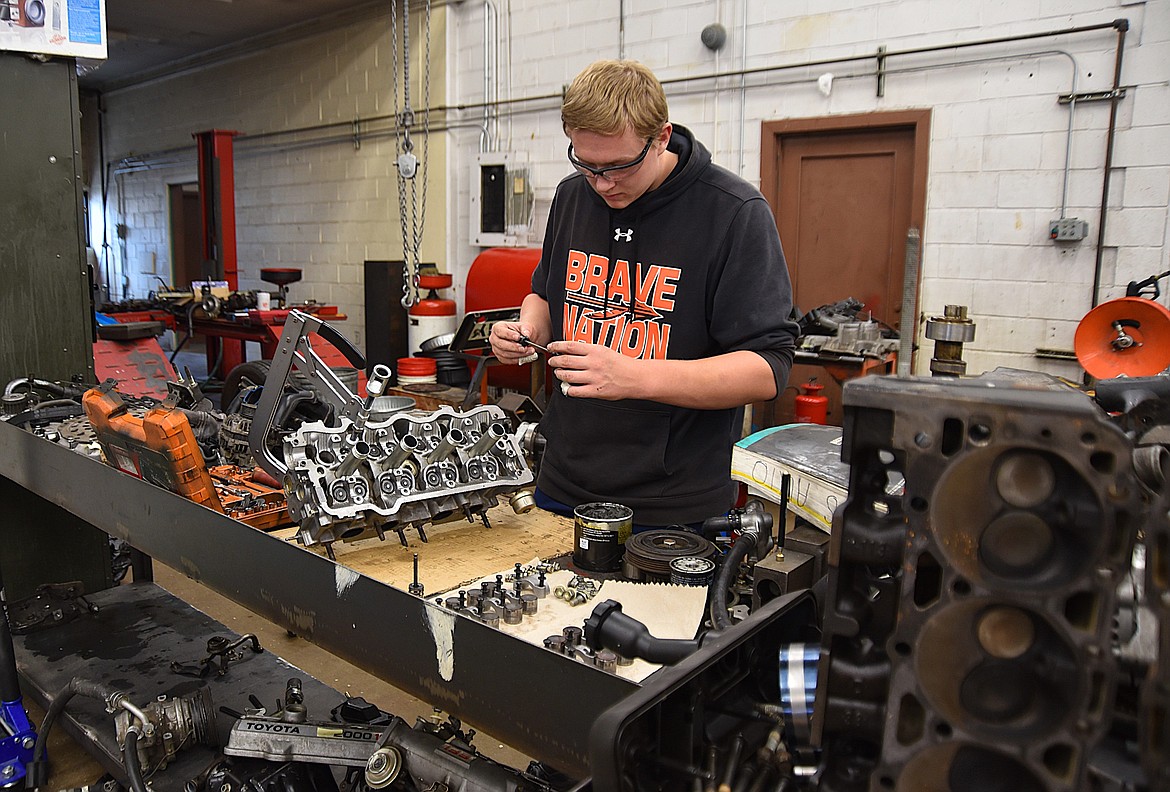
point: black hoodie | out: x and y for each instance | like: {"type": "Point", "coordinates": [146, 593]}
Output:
{"type": "Point", "coordinates": [690, 270]}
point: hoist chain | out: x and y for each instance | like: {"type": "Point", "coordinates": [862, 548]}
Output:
{"type": "Point", "coordinates": [411, 215]}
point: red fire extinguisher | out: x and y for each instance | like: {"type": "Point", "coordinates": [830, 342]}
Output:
{"type": "Point", "coordinates": [810, 406]}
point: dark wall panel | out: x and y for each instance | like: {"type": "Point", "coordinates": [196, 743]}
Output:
{"type": "Point", "coordinates": [45, 309]}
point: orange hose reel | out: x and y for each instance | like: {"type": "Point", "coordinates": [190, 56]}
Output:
{"type": "Point", "coordinates": [1129, 336]}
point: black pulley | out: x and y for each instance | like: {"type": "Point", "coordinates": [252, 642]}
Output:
{"type": "Point", "coordinates": [648, 554]}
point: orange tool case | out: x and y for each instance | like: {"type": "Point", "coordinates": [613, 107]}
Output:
{"type": "Point", "coordinates": [159, 447]}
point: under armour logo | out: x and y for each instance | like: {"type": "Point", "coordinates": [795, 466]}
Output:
{"type": "Point", "coordinates": [627, 235]}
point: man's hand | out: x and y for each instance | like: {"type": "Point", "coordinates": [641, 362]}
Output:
{"type": "Point", "coordinates": [593, 371]}
{"type": "Point", "coordinates": [716, 383]}
{"type": "Point", "coordinates": [505, 341]}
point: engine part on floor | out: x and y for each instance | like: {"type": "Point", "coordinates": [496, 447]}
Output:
{"type": "Point", "coordinates": [434, 754]}
{"type": "Point", "coordinates": [261, 775]}
{"type": "Point", "coordinates": [50, 605]}
{"type": "Point", "coordinates": [649, 554]}
{"type": "Point", "coordinates": [608, 628]}
{"type": "Point", "coordinates": [221, 653]}
{"type": "Point", "coordinates": [171, 724]}
{"type": "Point", "coordinates": [277, 738]}
{"type": "Point", "coordinates": [968, 631]}
{"type": "Point", "coordinates": [949, 332]}
{"type": "Point", "coordinates": [356, 710]}
{"type": "Point", "coordinates": [196, 718]}
{"type": "Point", "coordinates": [160, 447]}
{"type": "Point", "coordinates": [679, 729]}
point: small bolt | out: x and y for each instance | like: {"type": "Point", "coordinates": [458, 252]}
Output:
{"type": "Point", "coordinates": [8, 772]}
{"type": "Point", "coordinates": [377, 763]}
{"type": "Point", "coordinates": [28, 743]}
{"type": "Point", "coordinates": [578, 599]}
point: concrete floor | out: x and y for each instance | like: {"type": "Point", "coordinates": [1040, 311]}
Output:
{"type": "Point", "coordinates": [72, 768]}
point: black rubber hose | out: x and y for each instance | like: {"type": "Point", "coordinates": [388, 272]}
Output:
{"type": "Point", "coordinates": [608, 628]}
{"type": "Point", "coordinates": [718, 594]}
{"type": "Point", "coordinates": [55, 410]}
{"type": "Point", "coordinates": [37, 772]}
{"type": "Point", "coordinates": [130, 762]}
{"type": "Point", "coordinates": [9, 678]}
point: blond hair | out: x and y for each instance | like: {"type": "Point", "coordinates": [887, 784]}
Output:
{"type": "Point", "coordinates": [611, 95]}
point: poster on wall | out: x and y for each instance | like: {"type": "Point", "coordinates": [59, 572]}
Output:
{"type": "Point", "coordinates": [75, 28]}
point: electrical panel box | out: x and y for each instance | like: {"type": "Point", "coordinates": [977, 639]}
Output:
{"type": "Point", "coordinates": [501, 200]}
{"type": "Point", "coordinates": [1068, 229]}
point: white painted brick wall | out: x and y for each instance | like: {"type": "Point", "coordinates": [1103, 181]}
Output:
{"type": "Point", "coordinates": [323, 208]}
{"type": "Point", "coordinates": [999, 139]}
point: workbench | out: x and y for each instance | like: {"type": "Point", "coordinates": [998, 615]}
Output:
{"type": "Point", "coordinates": [139, 629]}
{"type": "Point", "coordinates": [473, 671]}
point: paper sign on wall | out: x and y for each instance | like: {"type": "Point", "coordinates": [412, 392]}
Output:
{"type": "Point", "coordinates": [74, 28]}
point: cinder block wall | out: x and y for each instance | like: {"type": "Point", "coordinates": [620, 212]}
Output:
{"type": "Point", "coordinates": [997, 152]}
{"type": "Point", "coordinates": [307, 198]}
{"type": "Point", "coordinates": [998, 133]}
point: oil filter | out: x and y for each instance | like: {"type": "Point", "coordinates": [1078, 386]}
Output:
{"type": "Point", "coordinates": [692, 571]}
{"type": "Point", "coordinates": [600, 531]}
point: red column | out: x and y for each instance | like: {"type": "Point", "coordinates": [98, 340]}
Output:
{"type": "Point", "coordinates": [217, 200]}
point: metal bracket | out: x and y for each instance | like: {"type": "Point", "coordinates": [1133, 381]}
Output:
{"type": "Point", "coordinates": [295, 349]}
{"type": "Point", "coordinates": [1092, 96]}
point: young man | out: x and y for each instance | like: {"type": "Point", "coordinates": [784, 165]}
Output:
{"type": "Point", "coordinates": [663, 296]}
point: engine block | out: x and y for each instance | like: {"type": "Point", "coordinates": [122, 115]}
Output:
{"type": "Point", "coordinates": [359, 478]}
{"type": "Point", "coordinates": [968, 628]}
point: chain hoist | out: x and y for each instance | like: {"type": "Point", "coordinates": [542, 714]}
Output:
{"type": "Point", "coordinates": [411, 210]}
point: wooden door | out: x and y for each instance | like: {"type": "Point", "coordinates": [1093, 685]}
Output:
{"type": "Point", "coordinates": [845, 190]}
{"type": "Point", "coordinates": [186, 235]}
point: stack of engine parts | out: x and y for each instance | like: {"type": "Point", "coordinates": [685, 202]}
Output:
{"type": "Point", "coordinates": [350, 477]}
{"type": "Point", "coordinates": [837, 329]}
{"type": "Point", "coordinates": [969, 638]}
